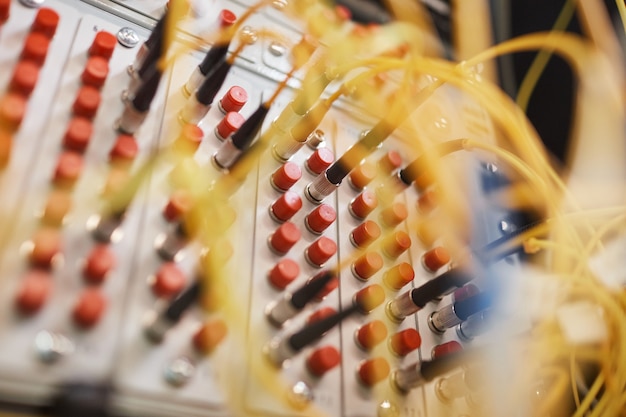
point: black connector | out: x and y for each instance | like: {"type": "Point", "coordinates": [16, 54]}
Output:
{"type": "Point", "coordinates": [243, 137]}
{"type": "Point", "coordinates": [213, 57]}
{"type": "Point", "coordinates": [316, 330]}
{"type": "Point", "coordinates": [292, 303]}
{"type": "Point", "coordinates": [157, 33]}
{"type": "Point", "coordinates": [162, 322]}
{"type": "Point", "coordinates": [359, 151]}
{"type": "Point", "coordinates": [182, 303]}
{"type": "Point", "coordinates": [310, 290]}
{"type": "Point", "coordinates": [442, 365]}
{"type": "Point", "coordinates": [420, 373]}
{"type": "Point", "coordinates": [213, 82]}
{"type": "Point", "coordinates": [146, 92]}
{"type": "Point", "coordinates": [439, 286]}
{"type": "Point", "coordinates": [153, 55]}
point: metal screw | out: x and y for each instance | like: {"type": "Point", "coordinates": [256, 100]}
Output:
{"type": "Point", "coordinates": [277, 49]}
{"type": "Point", "coordinates": [491, 167]}
{"type": "Point", "coordinates": [50, 346]}
{"type": "Point", "coordinates": [248, 35]}
{"type": "Point", "coordinates": [387, 409]}
{"type": "Point", "coordinates": [32, 3]}
{"type": "Point", "coordinates": [300, 395]}
{"type": "Point", "coordinates": [279, 4]}
{"type": "Point", "coordinates": [441, 123]}
{"type": "Point", "coordinates": [127, 37]}
{"type": "Point", "coordinates": [179, 371]}
{"type": "Point", "coordinates": [506, 226]}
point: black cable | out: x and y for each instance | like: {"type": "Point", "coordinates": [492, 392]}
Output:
{"type": "Point", "coordinates": [182, 303]}
{"type": "Point", "coordinates": [438, 286]}
{"type": "Point", "coordinates": [443, 364]}
{"type": "Point", "coordinates": [493, 252]}
{"type": "Point", "coordinates": [243, 137]}
{"type": "Point", "coordinates": [307, 292]}
{"type": "Point", "coordinates": [314, 331]}
{"type": "Point", "coordinates": [359, 151]}
{"type": "Point", "coordinates": [147, 91]}
{"type": "Point", "coordinates": [213, 82]}
{"type": "Point", "coordinates": [213, 57]}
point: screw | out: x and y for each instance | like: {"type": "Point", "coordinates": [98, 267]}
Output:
{"type": "Point", "coordinates": [179, 371]}
{"type": "Point", "coordinates": [50, 346]}
{"type": "Point", "coordinates": [506, 226]}
{"type": "Point", "coordinates": [279, 4]}
{"type": "Point", "coordinates": [387, 409]}
{"type": "Point", "coordinates": [277, 49]}
{"type": "Point", "coordinates": [127, 37]}
{"type": "Point", "coordinates": [32, 3]}
{"type": "Point", "coordinates": [248, 35]}
{"type": "Point", "coordinates": [300, 395]}
{"type": "Point", "coordinates": [491, 167]}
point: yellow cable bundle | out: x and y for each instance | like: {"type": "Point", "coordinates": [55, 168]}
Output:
{"type": "Point", "coordinates": [569, 243]}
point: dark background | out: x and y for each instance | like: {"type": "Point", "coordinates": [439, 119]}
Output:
{"type": "Point", "coordinates": [551, 106]}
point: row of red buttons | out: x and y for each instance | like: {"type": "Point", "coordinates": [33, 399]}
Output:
{"type": "Point", "coordinates": [374, 370]}
{"type": "Point", "coordinates": [86, 104]}
{"type": "Point", "coordinates": [78, 133]}
{"type": "Point", "coordinates": [25, 75]}
{"type": "Point", "coordinates": [370, 334]}
{"type": "Point", "coordinates": [101, 261]}
{"type": "Point", "coordinates": [70, 163]}
{"type": "Point", "coordinates": [46, 244]}
{"type": "Point", "coordinates": [366, 265]}
{"type": "Point", "coordinates": [36, 287]}
{"type": "Point", "coordinates": [287, 270]}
